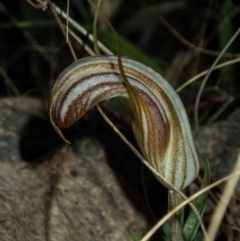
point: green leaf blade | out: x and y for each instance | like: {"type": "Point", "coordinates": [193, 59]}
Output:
{"type": "Point", "coordinates": [192, 223]}
{"type": "Point", "coordinates": [133, 234]}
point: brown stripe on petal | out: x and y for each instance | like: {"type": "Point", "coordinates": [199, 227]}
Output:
{"type": "Point", "coordinates": [158, 131]}
{"type": "Point", "coordinates": [161, 128]}
{"type": "Point", "coordinates": [76, 110]}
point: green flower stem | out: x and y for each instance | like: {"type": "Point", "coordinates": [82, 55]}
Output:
{"type": "Point", "coordinates": [176, 221]}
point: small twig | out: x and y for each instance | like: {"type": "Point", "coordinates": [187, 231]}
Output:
{"type": "Point", "coordinates": [189, 44]}
{"type": "Point", "coordinates": [42, 4]}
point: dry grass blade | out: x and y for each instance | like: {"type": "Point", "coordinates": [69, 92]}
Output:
{"type": "Point", "coordinates": [207, 76]}
{"type": "Point", "coordinates": [62, 26]}
{"type": "Point", "coordinates": [67, 27]}
{"type": "Point", "coordinates": [223, 202]}
{"type": "Point", "coordinates": [185, 202]}
{"type": "Point", "coordinates": [234, 61]}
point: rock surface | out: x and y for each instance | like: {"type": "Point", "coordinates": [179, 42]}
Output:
{"type": "Point", "coordinates": [67, 196]}
{"type": "Point", "coordinates": [220, 143]}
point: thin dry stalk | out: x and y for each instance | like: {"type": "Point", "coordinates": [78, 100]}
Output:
{"type": "Point", "coordinates": [67, 26]}
{"type": "Point", "coordinates": [234, 61]}
{"type": "Point", "coordinates": [229, 100]}
{"type": "Point", "coordinates": [223, 203]}
{"type": "Point", "coordinates": [207, 76]}
{"type": "Point", "coordinates": [184, 203]}
{"type": "Point", "coordinates": [190, 45]}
